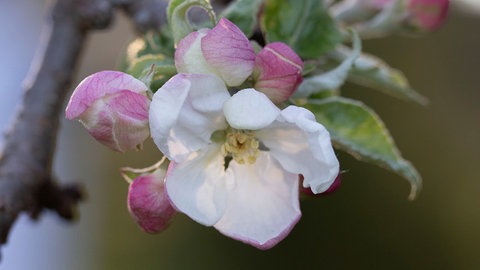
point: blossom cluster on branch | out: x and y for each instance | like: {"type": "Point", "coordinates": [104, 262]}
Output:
{"type": "Point", "coordinates": [245, 126]}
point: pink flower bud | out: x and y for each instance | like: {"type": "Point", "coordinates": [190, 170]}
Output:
{"type": "Point", "coordinates": [426, 15]}
{"type": "Point", "coordinates": [307, 191]}
{"type": "Point", "coordinates": [113, 107]}
{"type": "Point", "coordinates": [223, 51]}
{"type": "Point", "coordinates": [148, 202]}
{"type": "Point", "coordinates": [277, 71]}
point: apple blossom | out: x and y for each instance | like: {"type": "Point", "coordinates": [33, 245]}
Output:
{"type": "Point", "coordinates": [224, 51]}
{"type": "Point", "coordinates": [277, 71]}
{"type": "Point", "coordinates": [235, 160]}
{"type": "Point", "coordinates": [148, 203]}
{"type": "Point", "coordinates": [113, 107]}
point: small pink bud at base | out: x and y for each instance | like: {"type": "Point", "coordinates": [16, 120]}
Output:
{"type": "Point", "coordinates": [307, 191]}
{"type": "Point", "coordinates": [426, 15]}
{"type": "Point", "coordinates": [148, 202]}
{"type": "Point", "coordinates": [277, 71]}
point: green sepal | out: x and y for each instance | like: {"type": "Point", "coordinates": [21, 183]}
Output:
{"type": "Point", "coordinates": [161, 74]}
{"type": "Point", "coordinates": [177, 16]}
{"type": "Point", "coordinates": [163, 69]}
{"type": "Point", "coordinates": [150, 43]}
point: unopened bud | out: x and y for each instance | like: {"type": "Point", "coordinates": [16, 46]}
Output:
{"type": "Point", "coordinates": [113, 107]}
{"type": "Point", "coordinates": [224, 51]}
{"type": "Point", "coordinates": [148, 202]}
{"type": "Point", "coordinates": [277, 71]}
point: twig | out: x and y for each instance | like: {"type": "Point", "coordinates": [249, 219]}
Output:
{"type": "Point", "coordinates": [26, 181]}
{"type": "Point", "coordinates": [146, 14]}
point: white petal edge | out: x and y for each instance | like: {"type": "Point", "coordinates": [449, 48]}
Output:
{"type": "Point", "coordinates": [196, 187]}
{"type": "Point", "coordinates": [303, 146]}
{"type": "Point", "coordinates": [250, 109]}
{"type": "Point", "coordinates": [185, 112]}
{"type": "Point", "coordinates": [262, 205]}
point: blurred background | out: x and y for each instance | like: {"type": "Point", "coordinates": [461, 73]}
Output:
{"type": "Point", "coordinates": [367, 224]}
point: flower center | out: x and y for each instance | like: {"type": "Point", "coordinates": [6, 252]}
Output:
{"type": "Point", "coordinates": [241, 146]}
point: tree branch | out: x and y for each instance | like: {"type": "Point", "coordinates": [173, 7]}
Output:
{"type": "Point", "coordinates": [26, 160]}
{"type": "Point", "coordinates": [26, 181]}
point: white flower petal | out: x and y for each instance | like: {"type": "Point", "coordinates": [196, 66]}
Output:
{"type": "Point", "coordinates": [189, 57]}
{"type": "Point", "coordinates": [196, 186]}
{"type": "Point", "coordinates": [250, 109]}
{"type": "Point", "coordinates": [302, 146]}
{"type": "Point", "coordinates": [262, 205]}
{"type": "Point", "coordinates": [185, 112]}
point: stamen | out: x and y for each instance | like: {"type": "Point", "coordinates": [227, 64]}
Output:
{"type": "Point", "coordinates": [241, 146]}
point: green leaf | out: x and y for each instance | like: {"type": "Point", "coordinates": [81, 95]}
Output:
{"type": "Point", "coordinates": [164, 69]}
{"type": "Point", "coordinates": [331, 79]}
{"type": "Point", "coordinates": [146, 61]}
{"type": "Point", "coordinates": [177, 16]}
{"type": "Point", "coordinates": [243, 13]}
{"type": "Point", "coordinates": [359, 131]}
{"type": "Point", "coordinates": [161, 75]}
{"type": "Point", "coordinates": [304, 25]}
{"type": "Point", "coordinates": [149, 44]}
{"type": "Point", "coordinates": [372, 72]}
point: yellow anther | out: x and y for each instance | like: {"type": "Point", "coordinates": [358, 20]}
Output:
{"type": "Point", "coordinates": [242, 146]}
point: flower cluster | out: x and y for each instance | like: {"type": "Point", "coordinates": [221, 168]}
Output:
{"type": "Point", "coordinates": [236, 157]}
{"type": "Point", "coordinates": [239, 153]}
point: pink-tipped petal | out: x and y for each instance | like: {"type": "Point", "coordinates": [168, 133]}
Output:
{"type": "Point", "coordinates": [118, 120]}
{"type": "Point", "coordinates": [98, 85]}
{"type": "Point", "coordinates": [308, 191]}
{"type": "Point", "coordinates": [262, 205]}
{"type": "Point", "coordinates": [189, 57]}
{"type": "Point", "coordinates": [148, 203]}
{"type": "Point", "coordinates": [185, 112]}
{"type": "Point", "coordinates": [229, 52]}
{"type": "Point", "coordinates": [302, 146]}
{"type": "Point", "coordinates": [277, 71]}
{"type": "Point", "coordinates": [183, 48]}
